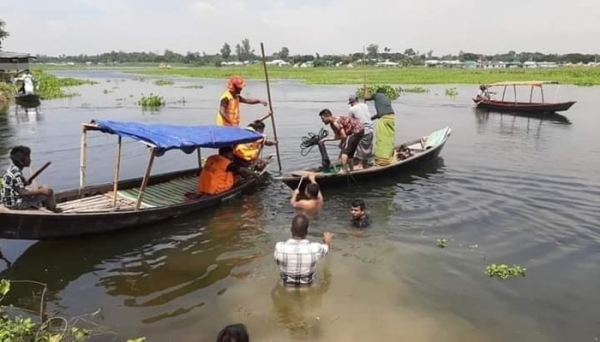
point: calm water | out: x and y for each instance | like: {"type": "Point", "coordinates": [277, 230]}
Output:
{"type": "Point", "coordinates": [507, 189]}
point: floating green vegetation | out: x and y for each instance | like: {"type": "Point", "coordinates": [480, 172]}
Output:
{"type": "Point", "coordinates": [418, 90]}
{"type": "Point", "coordinates": [392, 92]}
{"type": "Point", "coordinates": [3, 109]}
{"type": "Point", "coordinates": [193, 86]}
{"type": "Point", "coordinates": [151, 101]}
{"type": "Point", "coordinates": [409, 75]}
{"type": "Point", "coordinates": [442, 243]}
{"type": "Point", "coordinates": [451, 92]}
{"type": "Point", "coordinates": [107, 91]}
{"type": "Point", "coordinates": [163, 82]}
{"type": "Point", "coordinates": [51, 87]}
{"type": "Point", "coordinates": [18, 324]}
{"type": "Point", "coordinates": [6, 93]}
{"type": "Point", "coordinates": [503, 271]}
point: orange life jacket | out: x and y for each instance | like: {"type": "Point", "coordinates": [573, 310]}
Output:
{"type": "Point", "coordinates": [214, 178]}
{"type": "Point", "coordinates": [233, 108]}
{"type": "Point", "coordinates": [248, 151]}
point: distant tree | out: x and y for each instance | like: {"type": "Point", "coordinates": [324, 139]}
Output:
{"type": "Point", "coordinates": [3, 33]}
{"type": "Point", "coordinates": [373, 50]}
{"type": "Point", "coordinates": [387, 49]}
{"type": "Point", "coordinates": [226, 51]}
{"type": "Point", "coordinates": [238, 51]}
{"type": "Point", "coordinates": [246, 50]}
{"type": "Point", "coordinates": [429, 54]}
{"type": "Point", "coordinates": [284, 53]}
{"type": "Point", "coordinates": [410, 52]}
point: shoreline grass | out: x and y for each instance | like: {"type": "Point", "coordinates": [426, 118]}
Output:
{"type": "Point", "coordinates": [412, 75]}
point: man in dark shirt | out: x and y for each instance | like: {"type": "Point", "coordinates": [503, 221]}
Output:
{"type": "Point", "coordinates": [360, 218]}
{"type": "Point", "coordinates": [385, 130]}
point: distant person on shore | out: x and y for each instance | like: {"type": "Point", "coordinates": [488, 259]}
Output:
{"type": "Point", "coordinates": [297, 257]}
{"type": "Point", "coordinates": [14, 193]}
{"type": "Point", "coordinates": [28, 86]}
{"type": "Point", "coordinates": [229, 106]}
{"type": "Point", "coordinates": [358, 211]}
{"type": "Point", "coordinates": [311, 202]}
{"type": "Point", "coordinates": [364, 150]}
{"type": "Point", "coordinates": [385, 130]}
{"type": "Point", "coordinates": [233, 333]}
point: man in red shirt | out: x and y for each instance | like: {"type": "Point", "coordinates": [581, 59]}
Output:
{"type": "Point", "coordinates": [348, 130]}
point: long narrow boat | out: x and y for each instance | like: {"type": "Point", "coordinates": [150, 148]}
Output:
{"type": "Point", "coordinates": [27, 100]}
{"type": "Point", "coordinates": [133, 202]}
{"type": "Point", "coordinates": [486, 101]}
{"type": "Point", "coordinates": [422, 150]}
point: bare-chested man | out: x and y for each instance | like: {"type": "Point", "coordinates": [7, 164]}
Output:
{"type": "Point", "coordinates": [312, 201]}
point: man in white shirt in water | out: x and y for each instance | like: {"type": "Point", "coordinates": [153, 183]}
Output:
{"type": "Point", "coordinates": [297, 257]}
{"type": "Point", "coordinates": [364, 151]}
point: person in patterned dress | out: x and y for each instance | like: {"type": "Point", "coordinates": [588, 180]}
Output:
{"type": "Point", "coordinates": [349, 130]}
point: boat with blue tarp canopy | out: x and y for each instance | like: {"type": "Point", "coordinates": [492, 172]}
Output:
{"type": "Point", "coordinates": [134, 202]}
{"type": "Point", "coordinates": [166, 137]}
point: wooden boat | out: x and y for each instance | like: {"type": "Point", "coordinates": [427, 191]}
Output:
{"type": "Point", "coordinates": [27, 100]}
{"type": "Point", "coordinates": [486, 101]}
{"type": "Point", "coordinates": [134, 202]}
{"type": "Point", "coordinates": [422, 150]}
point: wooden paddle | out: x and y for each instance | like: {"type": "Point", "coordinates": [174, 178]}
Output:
{"type": "Point", "coordinates": [37, 173]}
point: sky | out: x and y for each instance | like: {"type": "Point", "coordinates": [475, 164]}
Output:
{"type": "Point", "coordinates": [73, 27]}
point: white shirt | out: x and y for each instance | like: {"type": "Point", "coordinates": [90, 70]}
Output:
{"type": "Point", "coordinates": [297, 260]}
{"type": "Point", "coordinates": [360, 111]}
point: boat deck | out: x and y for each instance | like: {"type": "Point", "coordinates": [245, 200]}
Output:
{"type": "Point", "coordinates": [163, 194]}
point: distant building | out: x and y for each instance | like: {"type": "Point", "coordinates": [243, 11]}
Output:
{"type": "Point", "coordinates": [14, 61]}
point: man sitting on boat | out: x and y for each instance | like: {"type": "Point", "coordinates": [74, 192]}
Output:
{"type": "Point", "coordinates": [14, 192]}
{"type": "Point", "coordinates": [246, 155]}
{"type": "Point", "coordinates": [297, 257]}
{"type": "Point", "coordinates": [219, 173]}
{"type": "Point", "coordinates": [360, 111]}
{"type": "Point", "coordinates": [484, 94]}
{"type": "Point", "coordinates": [349, 130]}
{"type": "Point", "coordinates": [312, 201]}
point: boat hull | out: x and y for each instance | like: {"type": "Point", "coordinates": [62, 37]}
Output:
{"type": "Point", "coordinates": [524, 107]}
{"type": "Point", "coordinates": [372, 173]}
{"type": "Point", "coordinates": [41, 224]}
{"type": "Point", "coordinates": [28, 100]}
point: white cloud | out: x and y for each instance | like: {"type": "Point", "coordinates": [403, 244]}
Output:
{"type": "Point", "coordinates": [328, 26]}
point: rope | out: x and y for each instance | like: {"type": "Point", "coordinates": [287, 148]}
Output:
{"type": "Point", "coordinates": [311, 140]}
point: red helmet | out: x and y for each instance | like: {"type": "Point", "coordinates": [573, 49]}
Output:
{"type": "Point", "coordinates": [236, 83]}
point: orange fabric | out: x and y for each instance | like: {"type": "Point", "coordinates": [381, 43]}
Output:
{"type": "Point", "coordinates": [214, 178]}
{"type": "Point", "coordinates": [248, 151]}
{"type": "Point", "coordinates": [233, 108]}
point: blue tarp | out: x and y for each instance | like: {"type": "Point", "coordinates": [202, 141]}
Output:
{"type": "Point", "coordinates": [185, 138]}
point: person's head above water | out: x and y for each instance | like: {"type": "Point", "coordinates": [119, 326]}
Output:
{"type": "Point", "coordinates": [357, 209]}
{"type": "Point", "coordinates": [312, 191]}
{"type": "Point", "coordinates": [233, 333]}
{"type": "Point", "coordinates": [300, 226]}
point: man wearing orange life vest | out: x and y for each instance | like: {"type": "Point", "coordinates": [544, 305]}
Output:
{"type": "Point", "coordinates": [247, 154]}
{"type": "Point", "coordinates": [229, 108]}
{"type": "Point", "coordinates": [219, 173]}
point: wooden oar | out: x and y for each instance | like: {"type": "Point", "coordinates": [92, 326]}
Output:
{"type": "Point", "coordinates": [262, 49]}
{"type": "Point", "coordinates": [37, 173]}
{"type": "Point", "coordinates": [300, 183]}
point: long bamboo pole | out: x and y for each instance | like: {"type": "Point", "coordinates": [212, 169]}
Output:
{"type": "Point", "coordinates": [117, 169]}
{"type": "Point", "coordinates": [83, 159]}
{"type": "Point", "coordinates": [262, 50]}
{"type": "Point", "coordinates": [145, 179]}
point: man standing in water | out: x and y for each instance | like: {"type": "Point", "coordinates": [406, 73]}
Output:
{"type": "Point", "coordinates": [312, 202]}
{"type": "Point", "coordinates": [385, 131]}
{"type": "Point", "coordinates": [229, 107]}
{"type": "Point", "coordinates": [297, 257]}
